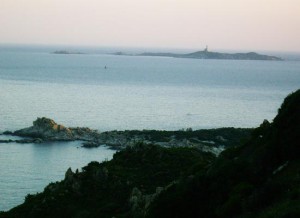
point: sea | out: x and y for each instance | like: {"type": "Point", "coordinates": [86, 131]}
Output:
{"type": "Point", "coordinates": [103, 91]}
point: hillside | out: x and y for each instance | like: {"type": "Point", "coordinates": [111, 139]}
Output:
{"type": "Point", "coordinates": [114, 188]}
{"type": "Point", "coordinates": [259, 179]}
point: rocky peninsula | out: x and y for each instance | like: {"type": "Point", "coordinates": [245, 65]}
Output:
{"type": "Point", "coordinates": [213, 140]}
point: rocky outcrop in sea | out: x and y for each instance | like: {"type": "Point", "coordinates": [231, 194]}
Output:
{"type": "Point", "coordinates": [48, 130]}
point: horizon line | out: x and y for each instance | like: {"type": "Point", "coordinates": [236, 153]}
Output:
{"type": "Point", "coordinates": [95, 46]}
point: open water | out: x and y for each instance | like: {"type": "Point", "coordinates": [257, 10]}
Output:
{"type": "Point", "coordinates": [131, 93]}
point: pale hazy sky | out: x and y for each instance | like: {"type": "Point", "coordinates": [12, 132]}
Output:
{"type": "Point", "coordinates": [220, 24]}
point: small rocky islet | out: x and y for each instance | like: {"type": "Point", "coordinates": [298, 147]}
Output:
{"type": "Point", "coordinates": [66, 52]}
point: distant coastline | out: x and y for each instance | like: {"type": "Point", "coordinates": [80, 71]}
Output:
{"type": "Point", "coordinates": [205, 54]}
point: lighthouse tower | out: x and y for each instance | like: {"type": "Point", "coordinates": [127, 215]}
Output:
{"type": "Point", "coordinates": [206, 49]}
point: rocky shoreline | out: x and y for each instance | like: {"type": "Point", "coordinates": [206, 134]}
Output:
{"type": "Point", "coordinates": [45, 129]}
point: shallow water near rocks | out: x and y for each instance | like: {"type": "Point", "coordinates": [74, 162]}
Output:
{"type": "Point", "coordinates": [28, 168]}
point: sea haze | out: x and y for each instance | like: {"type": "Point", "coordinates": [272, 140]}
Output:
{"type": "Point", "coordinates": [139, 92]}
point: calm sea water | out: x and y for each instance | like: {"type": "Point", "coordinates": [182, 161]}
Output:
{"type": "Point", "coordinates": [132, 93]}
{"type": "Point", "coordinates": [28, 168]}
{"type": "Point", "coordinates": [140, 92]}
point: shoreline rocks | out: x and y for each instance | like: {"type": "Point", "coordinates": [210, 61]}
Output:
{"type": "Point", "coordinates": [22, 141]}
{"type": "Point", "coordinates": [90, 145]}
{"type": "Point", "coordinates": [213, 141]}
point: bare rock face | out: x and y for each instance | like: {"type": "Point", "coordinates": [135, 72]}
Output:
{"type": "Point", "coordinates": [84, 133]}
{"type": "Point", "coordinates": [140, 202]}
{"type": "Point", "coordinates": [46, 128]}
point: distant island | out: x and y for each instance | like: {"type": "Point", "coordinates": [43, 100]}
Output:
{"type": "Point", "coordinates": [66, 52]}
{"type": "Point", "coordinates": [205, 54]}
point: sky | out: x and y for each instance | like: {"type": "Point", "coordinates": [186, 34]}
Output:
{"type": "Point", "coordinates": [272, 25]}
